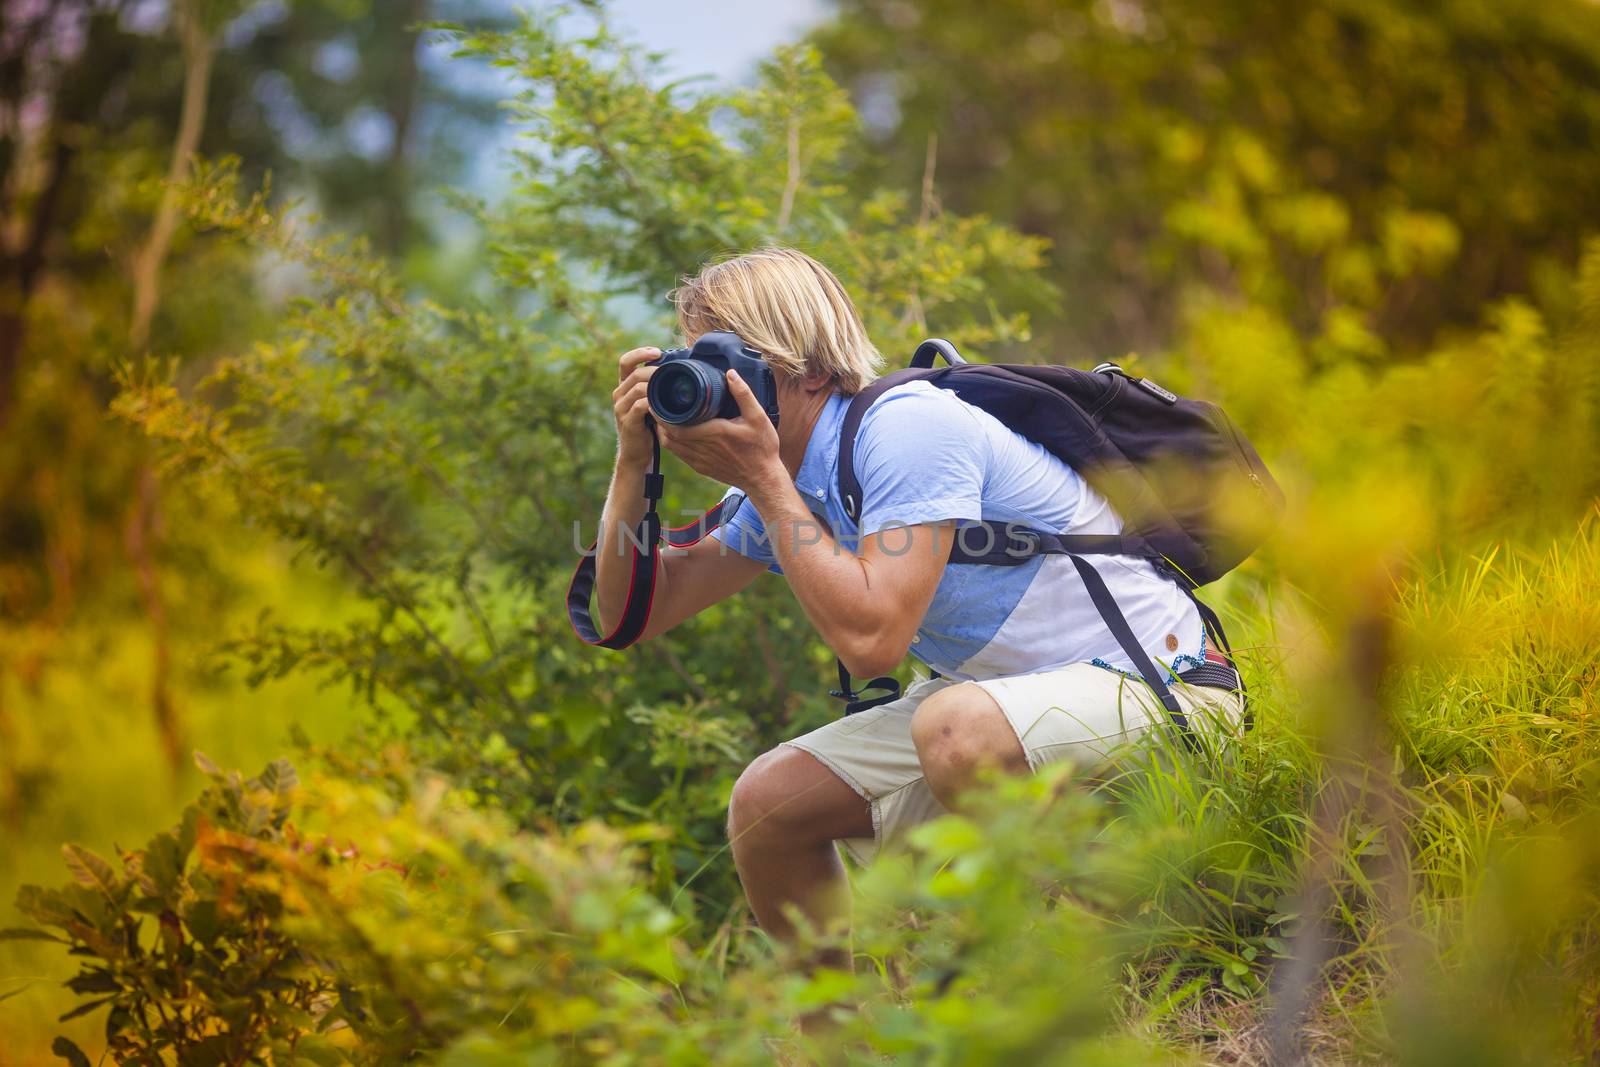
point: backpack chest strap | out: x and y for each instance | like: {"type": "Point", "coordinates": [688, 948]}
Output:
{"type": "Point", "coordinates": [1008, 544]}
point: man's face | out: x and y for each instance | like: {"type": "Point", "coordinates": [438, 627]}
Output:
{"type": "Point", "coordinates": [792, 397]}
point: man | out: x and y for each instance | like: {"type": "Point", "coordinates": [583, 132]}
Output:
{"type": "Point", "coordinates": [1026, 670]}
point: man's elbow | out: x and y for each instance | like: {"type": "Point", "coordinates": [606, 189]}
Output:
{"type": "Point", "coordinates": [871, 655]}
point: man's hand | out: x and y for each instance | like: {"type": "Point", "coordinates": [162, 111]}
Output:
{"type": "Point", "coordinates": [686, 582]}
{"type": "Point", "coordinates": [630, 406]}
{"type": "Point", "coordinates": [742, 452]}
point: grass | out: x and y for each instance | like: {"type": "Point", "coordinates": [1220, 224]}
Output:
{"type": "Point", "coordinates": [1484, 753]}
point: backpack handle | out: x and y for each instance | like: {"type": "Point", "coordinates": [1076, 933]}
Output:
{"type": "Point", "coordinates": [933, 347]}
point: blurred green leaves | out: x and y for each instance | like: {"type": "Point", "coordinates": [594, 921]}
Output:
{"type": "Point", "coordinates": [1359, 226]}
{"type": "Point", "coordinates": [1414, 161]}
{"type": "Point", "coordinates": [446, 458]}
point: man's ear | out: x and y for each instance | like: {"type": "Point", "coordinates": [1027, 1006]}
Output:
{"type": "Point", "coordinates": [816, 382]}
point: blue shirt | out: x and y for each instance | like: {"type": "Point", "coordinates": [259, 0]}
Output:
{"type": "Point", "coordinates": [923, 455]}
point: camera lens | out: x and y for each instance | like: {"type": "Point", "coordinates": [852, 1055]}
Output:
{"type": "Point", "coordinates": [686, 392]}
{"type": "Point", "coordinates": [680, 394]}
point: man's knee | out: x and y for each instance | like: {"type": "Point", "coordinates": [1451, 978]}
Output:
{"type": "Point", "coordinates": [764, 802]}
{"type": "Point", "coordinates": [959, 731]}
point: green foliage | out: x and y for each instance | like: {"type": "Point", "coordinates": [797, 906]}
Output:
{"type": "Point", "coordinates": [184, 954]}
{"type": "Point", "coordinates": [1398, 164]}
{"type": "Point", "coordinates": [80, 180]}
{"type": "Point", "coordinates": [523, 859]}
{"type": "Point", "coordinates": [391, 919]}
{"type": "Point", "coordinates": [83, 763]}
{"type": "Point", "coordinates": [445, 458]}
{"type": "Point", "coordinates": [432, 927]}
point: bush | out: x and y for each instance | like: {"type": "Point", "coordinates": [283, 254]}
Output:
{"type": "Point", "coordinates": [542, 875]}
{"type": "Point", "coordinates": [378, 922]}
{"type": "Point", "coordinates": [381, 913]}
{"type": "Point", "coordinates": [188, 955]}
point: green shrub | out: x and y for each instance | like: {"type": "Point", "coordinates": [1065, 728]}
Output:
{"type": "Point", "coordinates": [381, 912]}
{"type": "Point", "coordinates": [376, 922]}
{"type": "Point", "coordinates": [449, 460]}
{"type": "Point", "coordinates": [183, 949]}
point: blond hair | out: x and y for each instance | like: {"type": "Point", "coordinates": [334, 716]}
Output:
{"type": "Point", "coordinates": [788, 307]}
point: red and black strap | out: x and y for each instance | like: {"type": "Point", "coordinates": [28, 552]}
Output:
{"type": "Point", "coordinates": [645, 550]}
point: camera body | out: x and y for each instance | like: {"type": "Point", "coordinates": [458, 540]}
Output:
{"type": "Point", "coordinates": [689, 385]}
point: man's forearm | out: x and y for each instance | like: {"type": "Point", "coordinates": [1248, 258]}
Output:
{"type": "Point", "coordinates": [624, 508]}
{"type": "Point", "coordinates": [833, 585]}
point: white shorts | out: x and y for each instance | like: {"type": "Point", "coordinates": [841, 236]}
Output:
{"type": "Point", "coordinates": [1079, 712]}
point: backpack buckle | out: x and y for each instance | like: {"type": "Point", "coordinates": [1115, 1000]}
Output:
{"type": "Point", "coordinates": [1022, 543]}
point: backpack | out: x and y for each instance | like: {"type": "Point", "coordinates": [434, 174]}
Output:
{"type": "Point", "coordinates": [1194, 496]}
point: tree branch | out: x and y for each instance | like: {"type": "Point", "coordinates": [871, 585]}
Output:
{"type": "Point", "coordinates": [791, 183]}
{"type": "Point", "coordinates": [199, 49]}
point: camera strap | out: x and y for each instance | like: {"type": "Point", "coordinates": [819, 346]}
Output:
{"type": "Point", "coordinates": [646, 542]}
{"type": "Point", "coordinates": [645, 546]}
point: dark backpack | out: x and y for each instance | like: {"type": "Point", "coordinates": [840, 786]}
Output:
{"type": "Point", "coordinates": [1194, 496]}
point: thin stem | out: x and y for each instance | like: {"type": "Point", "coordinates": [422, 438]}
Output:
{"type": "Point", "coordinates": [199, 48]}
{"type": "Point", "coordinates": [791, 182]}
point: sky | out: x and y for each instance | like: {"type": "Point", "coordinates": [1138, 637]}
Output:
{"type": "Point", "coordinates": [724, 38]}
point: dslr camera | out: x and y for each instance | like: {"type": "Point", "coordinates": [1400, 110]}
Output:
{"type": "Point", "coordinates": [690, 386]}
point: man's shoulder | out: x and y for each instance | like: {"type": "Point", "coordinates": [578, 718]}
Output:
{"type": "Point", "coordinates": [916, 408]}
{"type": "Point", "coordinates": [917, 393]}
{"type": "Point", "coordinates": [922, 444]}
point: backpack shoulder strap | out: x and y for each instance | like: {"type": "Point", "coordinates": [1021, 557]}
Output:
{"type": "Point", "coordinates": [849, 487]}
{"type": "Point", "coordinates": [934, 348]}
{"type": "Point", "coordinates": [921, 367]}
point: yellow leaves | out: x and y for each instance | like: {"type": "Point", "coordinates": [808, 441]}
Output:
{"type": "Point", "coordinates": [1182, 145]}
{"type": "Point", "coordinates": [1419, 242]}
{"type": "Point", "coordinates": [1217, 216]}
{"type": "Point", "coordinates": [1312, 221]}
{"type": "Point", "coordinates": [1353, 274]}
{"type": "Point", "coordinates": [562, 1016]}
{"type": "Point", "coordinates": [1251, 363]}
{"type": "Point", "coordinates": [1252, 161]}
{"type": "Point", "coordinates": [1347, 337]}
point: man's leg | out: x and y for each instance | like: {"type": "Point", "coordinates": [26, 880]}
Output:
{"type": "Point", "coordinates": [959, 732]}
{"type": "Point", "coordinates": [1080, 712]}
{"type": "Point", "coordinates": [854, 781]}
{"type": "Point", "coordinates": [786, 812]}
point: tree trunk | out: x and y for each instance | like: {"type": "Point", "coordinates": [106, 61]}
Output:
{"type": "Point", "coordinates": [10, 810]}
{"type": "Point", "coordinates": [143, 529]}
{"type": "Point", "coordinates": [144, 520]}
{"type": "Point", "coordinates": [75, 93]}
{"type": "Point", "coordinates": [402, 106]}
{"type": "Point", "coordinates": [21, 274]}
{"type": "Point", "coordinates": [199, 48]}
